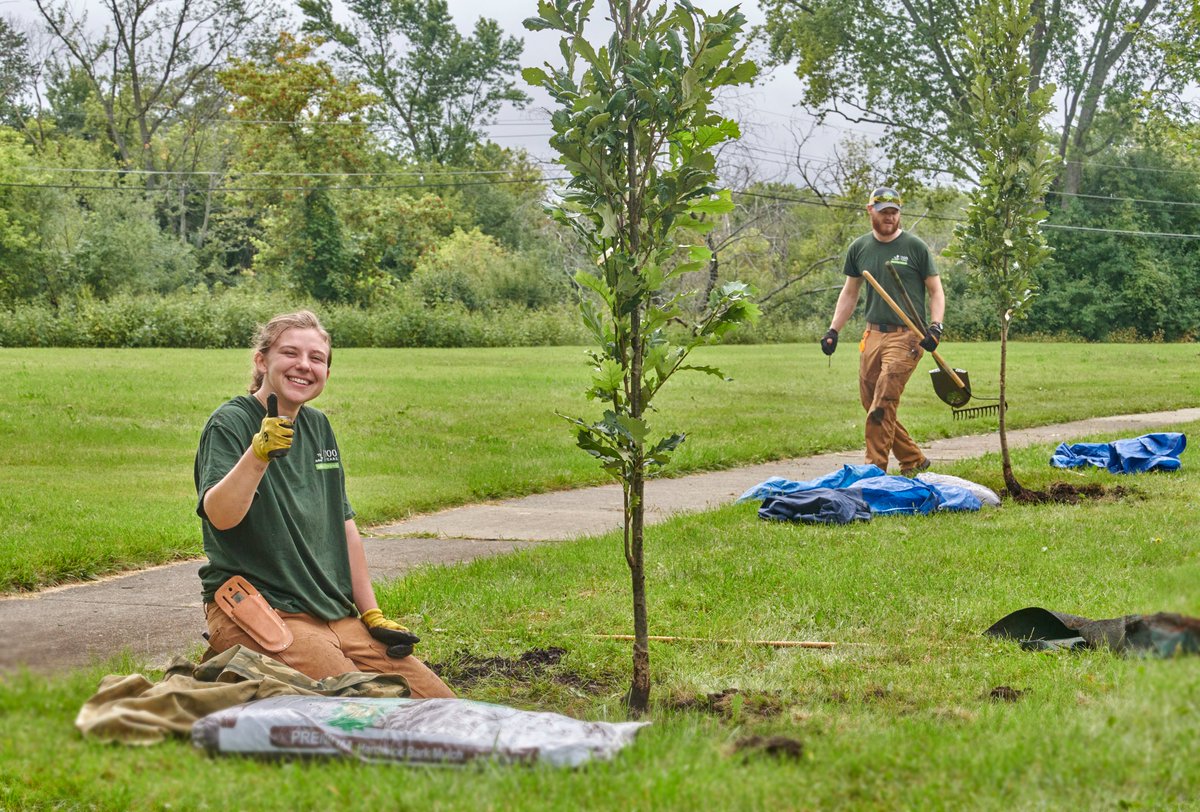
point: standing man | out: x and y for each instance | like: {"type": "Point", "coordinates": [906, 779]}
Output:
{"type": "Point", "coordinates": [889, 350]}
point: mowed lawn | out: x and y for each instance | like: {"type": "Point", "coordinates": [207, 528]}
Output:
{"type": "Point", "coordinates": [96, 446]}
{"type": "Point", "coordinates": [899, 715]}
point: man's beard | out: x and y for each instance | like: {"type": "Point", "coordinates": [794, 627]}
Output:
{"type": "Point", "coordinates": [885, 228]}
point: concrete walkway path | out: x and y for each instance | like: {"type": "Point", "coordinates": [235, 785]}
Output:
{"type": "Point", "coordinates": [156, 613]}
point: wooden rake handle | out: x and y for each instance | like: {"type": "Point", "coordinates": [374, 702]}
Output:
{"type": "Point", "coordinates": [883, 294]}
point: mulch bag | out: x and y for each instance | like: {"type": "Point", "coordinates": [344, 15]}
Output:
{"type": "Point", "coordinates": [414, 731]}
{"type": "Point", "coordinates": [1164, 634]}
{"type": "Point", "coordinates": [946, 484]}
{"type": "Point", "coordinates": [1150, 452]}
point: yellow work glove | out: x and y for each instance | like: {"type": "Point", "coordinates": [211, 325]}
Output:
{"type": "Point", "coordinates": [399, 640]}
{"type": "Point", "coordinates": [274, 438]}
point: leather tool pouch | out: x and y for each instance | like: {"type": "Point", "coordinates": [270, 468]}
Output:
{"type": "Point", "coordinates": [249, 610]}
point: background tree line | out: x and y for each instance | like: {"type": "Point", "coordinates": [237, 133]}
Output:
{"type": "Point", "coordinates": [171, 169]}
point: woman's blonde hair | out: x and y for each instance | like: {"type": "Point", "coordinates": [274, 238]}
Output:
{"type": "Point", "coordinates": [270, 332]}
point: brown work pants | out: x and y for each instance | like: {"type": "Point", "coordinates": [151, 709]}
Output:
{"type": "Point", "coordinates": [885, 365]}
{"type": "Point", "coordinates": [328, 648]}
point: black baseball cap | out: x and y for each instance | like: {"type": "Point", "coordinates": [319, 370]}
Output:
{"type": "Point", "coordinates": [885, 197]}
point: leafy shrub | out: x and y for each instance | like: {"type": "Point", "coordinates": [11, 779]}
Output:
{"type": "Point", "coordinates": [229, 318]}
{"type": "Point", "coordinates": [122, 250]}
{"type": "Point", "coordinates": [463, 269]}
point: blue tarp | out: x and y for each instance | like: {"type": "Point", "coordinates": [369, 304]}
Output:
{"type": "Point", "coordinates": [815, 506]}
{"type": "Point", "coordinates": [778, 486]}
{"type": "Point", "coordinates": [881, 493]}
{"type": "Point", "coordinates": [1150, 452]}
{"type": "Point", "coordinates": [897, 494]}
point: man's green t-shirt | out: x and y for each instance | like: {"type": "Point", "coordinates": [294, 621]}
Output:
{"type": "Point", "coordinates": [910, 257]}
{"type": "Point", "coordinates": [291, 545]}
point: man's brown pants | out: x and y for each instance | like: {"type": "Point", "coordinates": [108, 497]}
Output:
{"type": "Point", "coordinates": [885, 365]}
{"type": "Point", "coordinates": [328, 648]}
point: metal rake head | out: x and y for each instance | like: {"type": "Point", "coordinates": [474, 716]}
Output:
{"type": "Point", "coordinates": [976, 411]}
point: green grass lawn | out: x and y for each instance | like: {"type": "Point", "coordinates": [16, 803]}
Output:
{"type": "Point", "coordinates": [897, 716]}
{"type": "Point", "coordinates": [96, 446]}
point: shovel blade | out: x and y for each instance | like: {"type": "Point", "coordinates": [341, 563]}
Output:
{"type": "Point", "coordinates": [951, 393]}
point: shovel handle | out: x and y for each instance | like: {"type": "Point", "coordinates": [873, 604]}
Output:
{"type": "Point", "coordinates": [883, 294]}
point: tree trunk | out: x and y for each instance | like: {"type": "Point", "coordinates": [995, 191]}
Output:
{"type": "Point", "coordinates": [183, 213]}
{"type": "Point", "coordinates": [1010, 480]}
{"type": "Point", "coordinates": [638, 700]}
{"type": "Point", "coordinates": [714, 270]}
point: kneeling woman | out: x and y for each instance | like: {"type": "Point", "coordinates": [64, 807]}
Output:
{"type": "Point", "coordinates": [276, 521]}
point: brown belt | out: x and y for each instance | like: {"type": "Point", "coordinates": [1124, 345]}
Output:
{"type": "Point", "coordinates": [887, 328]}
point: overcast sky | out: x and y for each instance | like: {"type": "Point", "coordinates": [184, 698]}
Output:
{"type": "Point", "coordinates": [771, 124]}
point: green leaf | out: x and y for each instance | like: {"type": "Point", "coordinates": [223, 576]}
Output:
{"type": "Point", "coordinates": [584, 49]}
{"type": "Point", "coordinates": [609, 218]}
{"type": "Point", "coordinates": [706, 370]}
{"type": "Point", "coordinates": [609, 377]}
{"type": "Point", "coordinates": [595, 284]}
{"type": "Point", "coordinates": [660, 454]}
{"type": "Point", "coordinates": [720, 203]}
{"type": "Point", "coordinates": [695, 224]}
{"type": "Point", "coordinates": [634, 428]}
{"type": "Point", "coordinates": [535, 76]}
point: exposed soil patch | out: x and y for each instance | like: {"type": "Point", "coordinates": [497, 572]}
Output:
{"type": "Point", "coordinates": [464, 669]}
{"type": "Point", "coordinates": [731, 703]}
{"type": "Point", "coordinates": [1003, 693]}
{"type": "Point", "coordinates": [780, 747]}
{"type": "Point", "coordinates": [1066, 493]}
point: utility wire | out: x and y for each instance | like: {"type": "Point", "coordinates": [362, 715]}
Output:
{"type": "Point", "coordinates": [316, 188]}
{"type": "Point", "coordinates": [805, 116]}
{"type": "Point", "coordinates": [438, 173]}
{"type": "Point", "coordinates": [462, 184]}
{"type": "Point", "coordinates": [211, 173]}
{"type": "Point", "coordinates": [948, 218]}
{"type": "Point", "coordinates": [1110, 199]}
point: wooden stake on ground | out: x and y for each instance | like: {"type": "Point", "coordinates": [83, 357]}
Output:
{"type": "Point", "coordinates": [771, 643]}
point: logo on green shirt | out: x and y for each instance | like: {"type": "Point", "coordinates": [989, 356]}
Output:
{"type": "Point", "coordinates": [327, 458]}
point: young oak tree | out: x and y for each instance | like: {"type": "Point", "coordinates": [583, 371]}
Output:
{"type": "Point", "coordinates": [635, 128]}
{"type": "Point", "coordinates": [1001, 239]}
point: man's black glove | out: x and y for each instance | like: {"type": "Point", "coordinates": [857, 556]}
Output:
{"type": "Point", "coordinates": [399, 640]}
{"type": "Point", "coordinates": [829, 341]}
{"type": "Point", "coordinates": [933, 335]}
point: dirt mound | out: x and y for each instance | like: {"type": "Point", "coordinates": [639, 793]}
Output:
{"type": "Point", "coordinates": [731, 703]}
{"type": "Point", "coordinates": [1066, 493]}
{"type": "Point", "coordinates": [464, 669]}
{"type": "Point", "coordinates": [1005, 693]}
{"type": "Point", "coordinates": [780, 747]}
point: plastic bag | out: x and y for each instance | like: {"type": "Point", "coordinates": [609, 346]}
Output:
{"type": "Point", "coordinates": [415, 731]}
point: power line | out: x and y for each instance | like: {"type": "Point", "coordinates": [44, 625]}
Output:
{"type": "Point", "coordinates": [463, 184]}
{"type": "Point", "coordinates": [530, 122]}
{"type": "Point", "coordinates": [1063, 227]}
{"type": "Point", "coordinates": [314, 188]}
{"type": "Point", "coordinates": [1086, 164]}
{"type": "Point", "coordinates": [543, 121]}
{"type": "Point", "coordinates": [947, 218]}
{"type": "Point", "coordinates": [791, 117]}
{"type": "Point", "coordinates": [212, 173]}
{"type": "Point", "coordinates": [1109, 199]}
{"type": "Point", "coordinates": [432, 173]}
